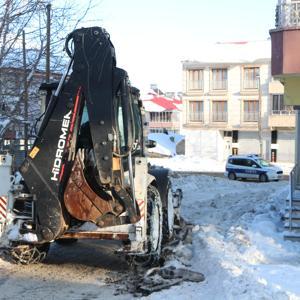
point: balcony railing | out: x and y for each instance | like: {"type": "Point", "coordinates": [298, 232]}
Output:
{"type": "Point", "coordinates": [251, 116]}
{"type": "Point", "coordinates": [164, 124]}
{"type": "Point", "coordinates": [251, 84]}
{"type": "Point", "coordinates": [219, 85]}
{"type": "Point", "coordinates": [283, 112]}
{"type": "Point", "coordinates": [288, 15]}
{"type": "Point", "coordinates": [196, 117]}
{"type": "Point", "coordinates": [219, 116]}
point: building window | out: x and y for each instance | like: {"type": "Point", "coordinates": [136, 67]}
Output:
{"type": "Point", "coordinates": [156, 130]}
{"type": "Point", "coordinates": [195, 79]}
{"type": "Point", "coordinates": [219, 79]}
{"type": "Point", "coordinates": [219, 111]}
{"type": "Point", "coordinates": [235, 136]}
{"type": "Point", "coordinates": [196, 111]}
{"type": "Point", "coordinates": [295, 13]}
{"type": "Point", "coordinates": [164, 116]}
{"type": "Point", "coordinates": [278, 107]}
{"type": "Point", "coordinates": [251, 78]}
{"type": "Point", "coordinates": [227, 133]}
{"type": "Point", "coordinates": [251, 110]}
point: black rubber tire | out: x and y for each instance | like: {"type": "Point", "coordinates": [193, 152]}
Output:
{"type": "Point", "coordinates": [232, 176]}
{"type": "Point", "coordinates": [263, 178]}
{"type": "Point", "coordinates": [152, 257]}
{"type": "Point", "coordinates": [66, 241]}
{"type": "Point", "coordinates": [166, 231]}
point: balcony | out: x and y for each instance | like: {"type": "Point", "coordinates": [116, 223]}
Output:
{"type": "Point", "coordinates": [220, 116]}
{"type": "Point", "coordinates": [251, 116]}
{"type": "Point", "coordinates": [276, 87]}
{"type": "Point", "coordinates": [167, 125]}
{"type": "Point", "coordinates": [196, 117]}
{"type": "Point", "coordinates": [282, 119]}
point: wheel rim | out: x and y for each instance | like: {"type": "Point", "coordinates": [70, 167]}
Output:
{"type": "Point", "coordinates": [155, 226]}
{"type": "Point", "coordinates": [170, 213]}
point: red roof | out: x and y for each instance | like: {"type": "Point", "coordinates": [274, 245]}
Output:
{"type": "Point", "coordinates": [176, 101]}
{"type": "Point", "coordinates": [166, 103]}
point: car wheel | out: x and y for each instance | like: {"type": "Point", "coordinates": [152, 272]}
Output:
{"type": "Point", "coordinates": [231, 176]}
{"type": "Point", "coordinates": [263, 178]}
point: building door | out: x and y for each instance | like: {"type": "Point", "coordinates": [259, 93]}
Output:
{"type": "Point", "coordinates": [228, 146]}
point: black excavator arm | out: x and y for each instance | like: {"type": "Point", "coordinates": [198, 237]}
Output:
{"type": "Point", "coordinates": [94, 112]}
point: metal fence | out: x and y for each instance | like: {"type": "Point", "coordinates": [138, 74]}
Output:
{"type": "Point", "coordinates": [219, 116]}
{"type": "Point", "coordinates": [283, 112]}
{"type": "Point", "coordinates": [251, 116]}
{"type": "Point", "coordinates": [196, 116]}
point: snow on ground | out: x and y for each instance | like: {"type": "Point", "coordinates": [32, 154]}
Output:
{"type": "Point", "coordinates": [165, 143]}
{"type": "Point", "coordinates": [238, 243]}
{"type": "Point", "coordinates": [202, 164]}
{"type": "Point", "coordinates": [187, 164]}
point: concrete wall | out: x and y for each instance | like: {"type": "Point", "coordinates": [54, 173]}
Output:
{"type": "Point", "coordinates": [286, 146]}
{"type": "Point", "coordinates": [248, 142]}
{"type": "Point", "coordinates": [204, 143]}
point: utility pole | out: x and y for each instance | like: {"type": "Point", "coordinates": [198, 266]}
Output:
{"type": "Point", "coordinates": [260, 139]}
{"type": "Point", "coordinates": [45, 99]}
{"type": "Point", "coordinates": [25, 94]}
{"type": "Point", "coordinates": [48, 44]}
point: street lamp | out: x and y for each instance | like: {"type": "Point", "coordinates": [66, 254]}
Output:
{"type": "Point", "coordinates": [259, 121]}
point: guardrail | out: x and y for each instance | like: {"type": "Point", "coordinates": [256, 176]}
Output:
{"type": "Point", "coordinates": [288, 15]}
{"type": "Point", "coordinates": [293, 181]}
{"type": "Point", "coordinates": [283, 112]}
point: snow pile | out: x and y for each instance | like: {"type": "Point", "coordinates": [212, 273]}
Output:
{"type": "Point", "coordinates": [190, 164]}
{"type": "Point", "coordinates": [238, 243]}
{"type": "Point", "coordinates": [286, 167]}
{"type": "Point", "coordinates": [202, 164]}
{"type": "Point", "coordinates": [165, 143]}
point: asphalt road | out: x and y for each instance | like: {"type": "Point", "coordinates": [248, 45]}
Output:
{"type": "Point", "coordinates": [84, 270]}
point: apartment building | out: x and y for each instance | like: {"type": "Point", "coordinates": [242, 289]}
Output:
{"type": "Point", "coordinates": [231, 104]}
{"type": "Point", "coordinates": [12, 107]}
{"type": "Point", "coordinates": [162, 113]}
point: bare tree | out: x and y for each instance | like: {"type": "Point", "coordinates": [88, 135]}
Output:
{"type": "Point", "coordinates": [17, 16]}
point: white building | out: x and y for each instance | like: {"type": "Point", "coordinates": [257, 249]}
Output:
{"type": "Point", "coordinates": [232, 105]}
{"type": "Point", "coordinates": [162, 113]}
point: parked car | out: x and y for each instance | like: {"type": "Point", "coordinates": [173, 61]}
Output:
{"type": "Point", "coordinates": [251, 167]}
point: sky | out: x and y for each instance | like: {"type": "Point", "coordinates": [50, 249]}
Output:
{"type": "Point", "coordinates": [153, 37]}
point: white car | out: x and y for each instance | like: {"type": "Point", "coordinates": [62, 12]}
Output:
{"type": "Point", "coordinates": [251, 167]}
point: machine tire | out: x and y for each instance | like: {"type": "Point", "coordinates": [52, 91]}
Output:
{"type": "Point", "coordinates": [154, 230]}
{"type": "Point", "coordinates": [168, 215]}
{"type": "Point", "coordinates": [232, 176]}
{"type": "Point", "coordinates": [66, 242]}
{"type": "Point", "coordinates": [263, 178]}
{"type": "Point", "coordinates": [163, 184]}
